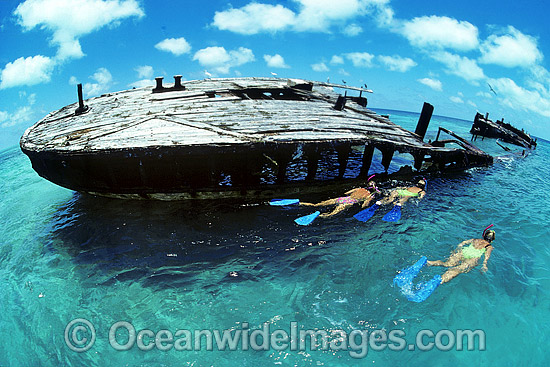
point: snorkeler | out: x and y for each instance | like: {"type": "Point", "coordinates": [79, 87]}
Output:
{"type": "Point", "coordinates": [465, 258]}
{"type": "Point", "coordinates": [462, 260]}
{"type": "Point", "coordinates": [402, 194]}
{"type": "Point", "coordinates": [399, 196]}
{"type": "Point", "coordinates": [352, 197]}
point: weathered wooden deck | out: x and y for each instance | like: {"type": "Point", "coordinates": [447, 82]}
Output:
{"type": "Point", "coordinates": [217, 131]}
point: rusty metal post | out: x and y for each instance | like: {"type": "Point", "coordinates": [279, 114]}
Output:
{"type": "Point", "coordinates": [81, 107]}
{"type": "Point", "coordinates": [282, 156]}
{"type": "Point", "coordinates": [387, 155]}
{"type": "Point", "coordinates": [312, 155]}
{"type": "Point", "coordinates": [424, 120]}
{"type": "Point", "coordinates": [343, 151]}
{"type": "Point", "coordinates": [418, 160]}
{"type": "Point", "coordinates": [367, 160]}
{"type": "Point", "coordinates": [340, 103]}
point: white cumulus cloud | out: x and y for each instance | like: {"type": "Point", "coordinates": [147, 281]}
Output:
{"type": "Point", "coordinates": [308, 16]}
{"type": "Point", "coordinates": [360, 59]}
{"type": "Point", "coordinates": [461, 66]}
{"type": "Point", "coordinates": [513, 49]}
{"type": "Point", "coordinates": [176, 46]}
{"type": "Point", "coordinates": [319, 15]}
{"type": "Point", "coordinates": [432, 83]}
{"type": "Point", "coordinates": [68, 20]}
{"type": "Point", "coordinates": [484, 95]}
{"type": "Point", "coordinates": [337, 60]}
{"type": "Point", "coordinates": [352, 30]}
{"type": "Point", "coordinates": [518, 98]}
{"type": "Point", "coordinates": [276, 61]}
{"type": "Point", "coordinates": [397, 63]}
{"type": "Point", "coordinates": [21, 115]}
{"type": "Point", "coordinates": [102, 83]}
{"type": "Point", "coordinates": [320, 67]}
{"type": "Point", "coordinates": [440, 32]}
{"type": "Point", "coordinates": [219, 60]}
{"type": "Point", "coordinates": [456, 99]}
{"type": "Point", "coordinates": [144, 71]}
{"type": "Point", "coordinates": [27, 71]}
{"type": "Point", "coordinates": [255, 18]}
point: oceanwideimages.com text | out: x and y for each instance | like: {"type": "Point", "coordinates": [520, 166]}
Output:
{"type": "Point", "coordinates": [80, 336]}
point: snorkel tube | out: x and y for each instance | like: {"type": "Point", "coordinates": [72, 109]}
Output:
{"type": "Point", "coordinates": [375, 187]}
{"type": "Point", "coordinates": [486, 229]}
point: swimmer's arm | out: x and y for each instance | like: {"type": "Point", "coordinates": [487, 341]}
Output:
{"type": "Point", "coordinates": [486, 259]}
{"type": "Point", "coordinates": [421, 195]}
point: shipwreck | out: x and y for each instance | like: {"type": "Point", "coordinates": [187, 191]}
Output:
{"type": "Point", "coordinates": [229, 138]}
{"type": "Point", "coordinates": [484, 127]}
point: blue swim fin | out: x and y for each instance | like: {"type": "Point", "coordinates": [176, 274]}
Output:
{"type": "Point", "coordinates": [424, 289]}
{"type": "Point", "coordinates": [406, 276]}
{"type": "Point", "coordinates": [366, 214]}
{"type": "Point", "coordinates": [393, 215]}
{"type": "Point", "coordinates": [281, 202]}
{"type": "Point", "coordinates": [421, 291]}
{"type": "Point", "coordinates": [307, 219]}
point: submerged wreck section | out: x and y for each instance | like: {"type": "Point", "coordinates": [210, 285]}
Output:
{"type": "Point", "coordinates": [216, 138]}
{"type": "Point", "coordinates": [486, 128]}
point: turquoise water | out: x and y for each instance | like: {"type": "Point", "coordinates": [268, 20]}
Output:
{"type": "Point", "coordinates": [215, 266]}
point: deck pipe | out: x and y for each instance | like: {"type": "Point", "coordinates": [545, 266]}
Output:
{"type": "Point", "coordinates": [81, 107]}
{"type": "Point", "coordinates": [177, 83]}
{"type": "Point", "coordinates": [159, 87]}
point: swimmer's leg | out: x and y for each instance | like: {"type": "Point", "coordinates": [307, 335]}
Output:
{"type": "Point", "coordinates": [453, 260]}
{"type": "Point", "coordinates": [404, 199]}
{"type": "Point", "coordinates": [336, 210]}
{"type": "Point", "coordinates": [322, 203]}
{"type": "Point", "coordinates": [465, 267]}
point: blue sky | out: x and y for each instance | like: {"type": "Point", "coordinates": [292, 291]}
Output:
{"type": "Point", "coordinates": [443, 52]}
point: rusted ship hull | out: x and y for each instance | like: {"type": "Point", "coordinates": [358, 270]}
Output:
{"type": "Point", "coordinates": [483, 126]}
{"type": "Point", "coordinates": [246, 138]}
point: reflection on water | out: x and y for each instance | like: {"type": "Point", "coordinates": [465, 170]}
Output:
{"type": "Point", "coordinates": [174, 241]}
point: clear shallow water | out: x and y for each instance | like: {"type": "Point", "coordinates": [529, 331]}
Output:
{"type": "Point", "coordinates": [169, 266]}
